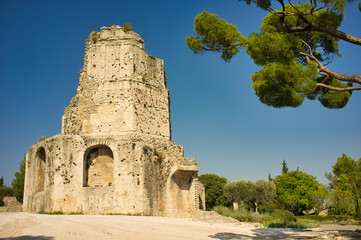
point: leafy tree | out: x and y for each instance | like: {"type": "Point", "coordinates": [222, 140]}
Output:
{"type": "Point", "coordinates": [213, 185]}
{"type": "Point", "coordinates": [294, 191]}
{"type": "Point", "coordinates": [294, 46]}
{"type": "Point", "coordinates": [319, 197]}
{"type": "Point", "coordinates": [349, 167]}
{"type": "Point", "coordinates": [251, 193]}
{"type": "Point", "coordinates": [284, 167]}
{"type": "Point", "coordinates": [357, 201]}
{"type": "Point", "coordinates": [18, 182]}
{"type": "Point", "coordinates": [343, 201]}
{"type": "Point", "coordinates": [1, 181]}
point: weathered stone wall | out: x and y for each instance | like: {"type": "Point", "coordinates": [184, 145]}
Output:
{"type": "Point", "coordinates": [10, 204]}
{"type": "Point", "coordinates": [115, 154]}
{"type": "Point", "coordinates": [149, 177]}
{"type": "Point", "coordinates": [121, 88]}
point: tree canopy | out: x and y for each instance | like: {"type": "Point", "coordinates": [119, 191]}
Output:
{"type": "Point", "coordinates": [295, 191]}
{"type": "Point", "coordinates": [347, 166]}
{"type": "Point", "coordinates": [249, 192]}
{"type": "Point", "coordinates": [213, 185]}
{"type": "Point", "coordinates": [342, 199]}
{"type": "Point", "coordinates": [346, 186]}
{"type": "Point", "coordinates": [293, 47]}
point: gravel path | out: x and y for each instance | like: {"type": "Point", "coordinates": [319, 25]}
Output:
{"type": "Point", "coordinates": [46, 227]}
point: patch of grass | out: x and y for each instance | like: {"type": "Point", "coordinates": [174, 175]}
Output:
{"type": "Point", "coordinates": [329, 219]}
{"type": "Point", "coordinates": [241, 214]}
{"type": "Point", "coordinates": [51, 213]}
{"type": "Point", "coordinates": [76, 213]}
{"type": "Point", "coordinates": [277, 219]}
{"type": "Point", "coordinates": [275, 224]}
{"type": "Point", "coordinates": [127, 214]}
{"type": "Point", "coordinates": [297, 225]}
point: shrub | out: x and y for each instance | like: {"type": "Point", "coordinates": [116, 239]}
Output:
{"type": "Point", "coordinates": [241, 214]}
{"type": "Point", "coordinates": [275, 225]}
{"type": "Point", "coordinates": [301, 225]}
{"type": "Point", "coordinates": [126, 27]}
{"type": "Point", "coordinates": [256, 217]}
{"type": "Point", "coordinates": [284, 216]}
{"type": "Point", "coordinates": [264, 208]}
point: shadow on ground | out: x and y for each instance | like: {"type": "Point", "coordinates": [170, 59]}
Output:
{"type": "Point", "coordinates": [29, 237]}
{"type": "Point", "coordinates": [261, 233]}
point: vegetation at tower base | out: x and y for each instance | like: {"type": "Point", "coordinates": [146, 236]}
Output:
{"type": "Point", "coordinates": [251, 193]}
{"type": "Point", "coordinates": [214, 185]}
{"type": "Point", "coordinates": [293, 47]}
{"type": "Point", "coordinates": [18, 182]}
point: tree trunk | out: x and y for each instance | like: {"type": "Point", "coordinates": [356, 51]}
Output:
{"type": "Point", "coordinates": [253, 206]}
{"type": "Point", "coordinates": [235, 206]}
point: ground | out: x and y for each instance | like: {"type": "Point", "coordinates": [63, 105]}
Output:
{"type": "Point", "coordinates": [45, 227]}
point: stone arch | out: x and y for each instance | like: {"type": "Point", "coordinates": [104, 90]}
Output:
{"type": "Point", "coordinates": [98, 166]}
{"type": "Point", "coordinates": [40, 167]}
{"type": "Point", "coordinates": [180, 184]}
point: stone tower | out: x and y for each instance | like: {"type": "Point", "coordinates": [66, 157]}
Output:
{"type": "Point", "coordinates": [115, 153]}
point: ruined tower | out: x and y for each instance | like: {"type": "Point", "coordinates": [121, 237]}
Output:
{"type": "Point", "coordinates": [115, 153]}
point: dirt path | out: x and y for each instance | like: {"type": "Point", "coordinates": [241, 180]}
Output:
{"type": "Point", "coordinates": [45, 227]}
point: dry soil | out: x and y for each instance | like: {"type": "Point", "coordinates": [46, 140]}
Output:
{"type": "Point", "coordinates": [37, 226]}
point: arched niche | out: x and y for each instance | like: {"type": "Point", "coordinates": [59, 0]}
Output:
{"type": "Point", "coordinates": [40, 167]}
{"type": "Point", "coordinates": [98, 166]}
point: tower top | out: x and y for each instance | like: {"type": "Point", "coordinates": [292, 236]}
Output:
{"type": "Point", "coordinates": [121, 88]}
{"type": "Point", "coordinates": [114, 34]}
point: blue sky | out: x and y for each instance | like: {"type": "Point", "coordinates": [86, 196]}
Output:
{"type": "Point", "coordinates": [215, 114]}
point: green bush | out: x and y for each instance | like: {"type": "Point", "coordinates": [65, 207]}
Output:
{"type": "Point", "coordinates": [284, 216]}
{"type": "Point", "coordinates": [256, 217]}
{"type": "Point", "coordinates": [264, 208]}
{"type": "Point", "coordinates": [298, 225]}
{"type": "Point", "coordinates": [275, 224]}
{"type": "Point", "coordinates": [126, 27]}
{"type": "Point", "coordinates": [241, 214]}
{"type": "Point", "coordinates": [213, 185]}
{"type": "Point", "coordinates": [301, 225]}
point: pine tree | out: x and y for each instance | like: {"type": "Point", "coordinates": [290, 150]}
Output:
{"type": "Point", "coordinates": [284, 167]}
{"type": "Point", "coordinates": [18, 182]}
{"type": "Point", "coordinates": [296, 42]}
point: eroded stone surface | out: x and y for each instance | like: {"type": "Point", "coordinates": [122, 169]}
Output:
{"type": "Point", "coordinates": [115, 153]}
